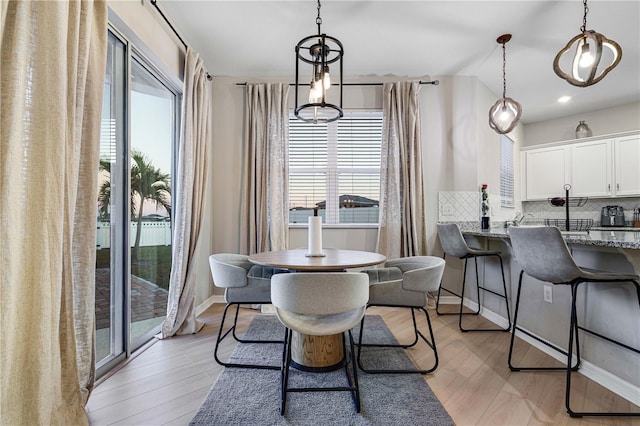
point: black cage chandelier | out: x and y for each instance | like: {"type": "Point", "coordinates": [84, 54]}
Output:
{"type": "Point", "coordinates": [320, 51]}
{"type": "Point", "coordinates": [588, 48]}
{"type": "Point", "coordinates": [505, 113]}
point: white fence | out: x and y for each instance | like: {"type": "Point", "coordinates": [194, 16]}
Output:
{"type": "Point", "coordinates": [153, 234]}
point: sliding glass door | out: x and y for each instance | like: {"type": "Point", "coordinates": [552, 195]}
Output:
{"type": "Point", "coordinates": [133, 257]}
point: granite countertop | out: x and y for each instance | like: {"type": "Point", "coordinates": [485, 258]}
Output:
{"type": "Point", "coordinates": [628, 239]}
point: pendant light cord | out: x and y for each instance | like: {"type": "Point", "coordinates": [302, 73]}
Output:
{"type": "Point", "coordinates": [583, 28]}
{"type": "Point", "coordinates": [319, 19]}
{"type": "Point", "coordinates": [504, 72]}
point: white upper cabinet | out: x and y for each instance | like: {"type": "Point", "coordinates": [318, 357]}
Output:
{"type": "Point", "coordinates": [546, 172]}
{"type": "Point", "coordinates": [627, 165]}
{"type": "Point", "coordinates": [607, 167]}
{"type": "Point", "coordinates": [591, 169]}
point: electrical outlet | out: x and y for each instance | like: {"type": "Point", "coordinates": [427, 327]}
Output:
{"type": "Point", "coordinates": [548, 294]}
{"type": "Point", "coordinates": [446, 210]}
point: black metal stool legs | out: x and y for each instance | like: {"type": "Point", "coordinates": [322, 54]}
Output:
{"type": "Point", "coordinates": [552, 346]}
{"type": "Point", "coordinates": [574, 338]}
{"type": "Point", "coordinates": [574, 326]}
{"type": "Point", "coordinates": [478, 288]}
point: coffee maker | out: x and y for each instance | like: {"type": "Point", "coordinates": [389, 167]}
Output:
{"type": "Point", "coordinates": [612, 216]}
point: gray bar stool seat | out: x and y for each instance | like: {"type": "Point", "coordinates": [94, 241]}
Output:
{"type": "Point", "coordinates": [543, 254]}
{"type": "Point", "coordinates": [243, 283]}
{"type": "Point", "coordinates": [454, 244]}
{"type": "Point", "coordinates": [404, 283]}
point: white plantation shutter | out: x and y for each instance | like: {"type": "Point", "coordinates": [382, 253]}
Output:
{"type": "Point", "coordinates": [336, 164]}
{"type": "Point", "coordinates": [506, 171]}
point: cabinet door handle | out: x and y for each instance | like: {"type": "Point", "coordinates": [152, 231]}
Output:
{"type": "Point", "coordinates": [617, 187]}
{"type": "Point", "coordinates": [609, 187]}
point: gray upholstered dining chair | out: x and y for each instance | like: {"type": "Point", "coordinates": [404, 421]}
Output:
{"type": "Point", "coordinates": [454, 244]}
{"type": "Point", "coordinates": [543, 254]}
{"type": "Point", "coordinates": [243, 283]}
{"type": "Point", "coordinates": [320, 304]}
{"type": "Point", "coordinates": [404, 283]}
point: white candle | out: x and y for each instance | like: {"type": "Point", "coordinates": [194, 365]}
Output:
{"type": "Point", "coordinates": [315, 236]}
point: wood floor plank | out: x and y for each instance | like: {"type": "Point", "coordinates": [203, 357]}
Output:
{"type": "Point", "coordinates": [166, 384]}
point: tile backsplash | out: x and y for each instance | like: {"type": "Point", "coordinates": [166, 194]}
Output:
{"type": "Point", "coordinates": [464, 206]}
{"type": "Point", "coordinates": [458, 206]}
{"type": "Point", "coordinates": [591, 209]}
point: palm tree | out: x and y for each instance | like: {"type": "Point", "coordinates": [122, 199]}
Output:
{"type": "Point", "coordinates": [148, 183]}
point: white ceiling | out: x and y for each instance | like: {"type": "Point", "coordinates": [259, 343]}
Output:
{"type": "Point", "coordinates": [423, 38]}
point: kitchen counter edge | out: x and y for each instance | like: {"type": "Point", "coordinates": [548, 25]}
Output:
{"type": "Point", "coordinates": [613, 239]}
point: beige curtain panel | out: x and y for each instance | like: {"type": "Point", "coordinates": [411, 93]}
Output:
{"type": "Point", "coordinates": [265, 206]}
{"type": "Point", "coordinates": [52, 66]}
{"type": "Point", "coordinates": [402, 217]}
{"type": "Point", "coordinates": [192, 177]}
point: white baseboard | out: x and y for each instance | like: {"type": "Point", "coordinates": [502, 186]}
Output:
{"type": "Point", "coordinates": [208, 303]}
{"type": "Point", "coordinates": [449, 300]}
{"type": "Point", "coordinates": [615, 384]}
{"type": "Point", "coordinates": [487, 313]}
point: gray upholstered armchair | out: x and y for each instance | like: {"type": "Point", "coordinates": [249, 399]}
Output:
{"type": "Point", "coordinates": [244, 283]}
{"type": "Point", "coordinates": [404, 283]}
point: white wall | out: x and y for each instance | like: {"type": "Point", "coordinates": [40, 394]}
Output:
{"type": "Point", "coordinates": [603, 122]}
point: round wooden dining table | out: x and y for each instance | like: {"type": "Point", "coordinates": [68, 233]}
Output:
{"type": "Point", "coordinates": [333, 260]}
{"type": "Point", "coordinates": [317, 353]}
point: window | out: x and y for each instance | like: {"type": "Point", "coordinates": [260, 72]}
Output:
{"type": "Point", "coordinates": [506, 172]}
{"type": "Point", "coordinates": [335, 167]}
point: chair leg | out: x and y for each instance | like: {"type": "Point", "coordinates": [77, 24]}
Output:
{"type": "Point", "coordinates": [431, 343]}
{"type": "Point", "coordinates": [352, 386]}
{"type": "Point", "coordinates": [478, 288]}
{"type": "Point", "coordinates": [356, 392]}
{"type": "Point", "coordinates": [232, 330]}
{"type": "Point", "coordinates": [552, 346]}
{"type": "Point", "coordinates": [461, 296]}
{"type": "Point", "coordinates": [569, 369]}
{"type": "Point", "coordinates": [284, 372]}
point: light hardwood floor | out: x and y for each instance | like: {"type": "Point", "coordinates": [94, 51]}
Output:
{"type": "Point", "coordinates": [166, 384]}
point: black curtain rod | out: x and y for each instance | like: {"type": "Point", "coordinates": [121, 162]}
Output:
{"type": "Point", "coordinates": [434, 82]}
{"type": "Point", "coordinates": [155, 4]}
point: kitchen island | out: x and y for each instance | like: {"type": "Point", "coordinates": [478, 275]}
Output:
{"type": "Point", "coordinates": [612, 308]}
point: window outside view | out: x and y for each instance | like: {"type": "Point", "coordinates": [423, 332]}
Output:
{"type": "Point", "coordinates": [335, 167]}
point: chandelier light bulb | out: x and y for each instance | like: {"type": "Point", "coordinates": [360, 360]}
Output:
{"type": "Point", "coordinates": [326, 80]}
{"type": "Point", "coordinates": [504, 114]}
{"type": "Point", "coordinates": [315, 92]}
{"type": "Point", "coordinates": [586, 59]}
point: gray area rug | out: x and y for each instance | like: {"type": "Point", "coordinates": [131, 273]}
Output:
{"type": "Point", "coordinates": [252, 397]}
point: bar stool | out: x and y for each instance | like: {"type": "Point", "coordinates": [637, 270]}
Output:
{"type": "Point", "coordinates": [454, 244]}
{"type": "Point", "coordinates": [543, 254]}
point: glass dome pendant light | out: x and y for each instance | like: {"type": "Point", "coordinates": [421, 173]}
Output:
{"type": "Point", "coordinates": [319, 51]}
{"type": "Point", "coordinates": [505, 113]}
{"type": "Point", "coordinates": [587, 56]}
